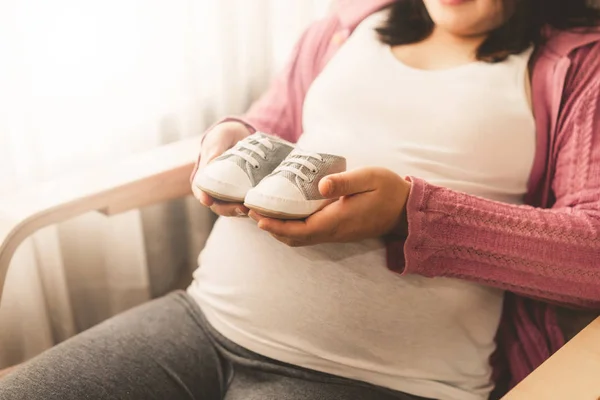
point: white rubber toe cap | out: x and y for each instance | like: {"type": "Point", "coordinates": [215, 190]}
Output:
{"type": "Point", "coordinates": [224, 178]}
{"type": "Point", "coordinates": [280, 187]}
{"type": "Point", "coordinates": [278, 196]}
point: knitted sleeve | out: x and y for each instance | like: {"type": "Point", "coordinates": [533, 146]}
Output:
{"type": "Point", "coordinates": [550, 254]}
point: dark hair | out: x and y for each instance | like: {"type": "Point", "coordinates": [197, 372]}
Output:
{"type": "Point", "coordinates": [409, 22]}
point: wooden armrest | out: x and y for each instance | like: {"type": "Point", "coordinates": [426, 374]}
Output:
{"type": "Point", "coordinates": [151, 177]}
{"type": "Point", "coordinates": [572, 373]}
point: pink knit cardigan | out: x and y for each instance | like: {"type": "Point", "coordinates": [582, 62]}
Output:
{"type": "Point", "coordinates": [548, 250]}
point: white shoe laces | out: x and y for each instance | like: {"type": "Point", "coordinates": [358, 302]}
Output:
{"type": "Point", "coordinates": [244, 144]}
{"type": "Point", "coordinates": [294, 164]}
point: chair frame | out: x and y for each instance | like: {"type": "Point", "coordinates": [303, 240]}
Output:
{"type": "Point", "coordinates": [162, 174]}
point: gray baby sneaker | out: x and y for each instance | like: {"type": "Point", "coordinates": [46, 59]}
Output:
{"type": "Point", "coordinates": [292, 190]}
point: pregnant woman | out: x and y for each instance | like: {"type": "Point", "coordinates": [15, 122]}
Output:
{"type": "Point", "coordinates": [471, 130]}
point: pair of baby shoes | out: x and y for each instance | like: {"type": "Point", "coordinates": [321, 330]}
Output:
{"type": "Point", "coordinates": [270, 176]}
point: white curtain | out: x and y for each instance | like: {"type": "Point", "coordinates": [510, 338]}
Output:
{"type": "Point", "coordinates": [86, 82]}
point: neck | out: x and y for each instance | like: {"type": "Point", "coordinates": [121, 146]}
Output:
{"type": "Point", "coordinates": [440, 50]}
{"type": "Point", "coordinates": [468, 44]}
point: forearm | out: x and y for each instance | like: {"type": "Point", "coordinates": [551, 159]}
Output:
{"type": "Point", "coordinates": [548, 254]}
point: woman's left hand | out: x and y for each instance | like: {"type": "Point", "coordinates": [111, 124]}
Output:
{"type": "Point", "coordinates": [370, 203]}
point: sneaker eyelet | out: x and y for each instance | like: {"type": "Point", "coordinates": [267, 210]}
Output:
{"type": "Point", "coordinates": [256, 166]}
{"type": "Point", "coordinates": [314, 171]}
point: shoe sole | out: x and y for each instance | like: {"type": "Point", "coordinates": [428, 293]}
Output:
{"type": "Point", "coordinates": [219, 196]}
{"type": "Point", "coordinates": [275, 214]}
{"type": "Point", "coordinates": [273, 207]}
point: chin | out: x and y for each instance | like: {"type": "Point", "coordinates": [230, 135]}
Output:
{"type": "Point", "coordinates": [461, 24]}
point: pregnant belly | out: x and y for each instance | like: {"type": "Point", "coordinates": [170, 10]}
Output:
{"type": "Point", "coordinates": [338, 299]}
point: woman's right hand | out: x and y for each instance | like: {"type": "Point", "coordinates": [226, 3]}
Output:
{"type": "Point", "coordinates": [220, 139]}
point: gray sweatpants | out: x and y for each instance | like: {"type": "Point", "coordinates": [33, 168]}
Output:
{"type": "Point", "coordinates": [165, 349]}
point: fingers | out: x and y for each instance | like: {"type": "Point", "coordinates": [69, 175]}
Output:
{"type": "Point", "coordinates": [281, 228]}
{"type": "Point", "coordinates": [204, 198]}
{"type": "Point", "coordinates": [349, 183]}
{"type": "Point", "coordinates": [213, 147]}
{"type": "Point", "coordinates": [229, 209]}
{"type": "Point", "coordinates": [208, 155]}
{"type": "Point", "coordinates": [297, 230]}
{"type": "Point", "coordinates": [290, 233]}
{"type": "Point", "coordinates": [221, 208]}
{"type": "Point", "coordinates": [316, 229]}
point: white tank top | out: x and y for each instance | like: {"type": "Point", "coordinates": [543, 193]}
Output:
{"type": "Point", "coordinates": [336, 308]}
